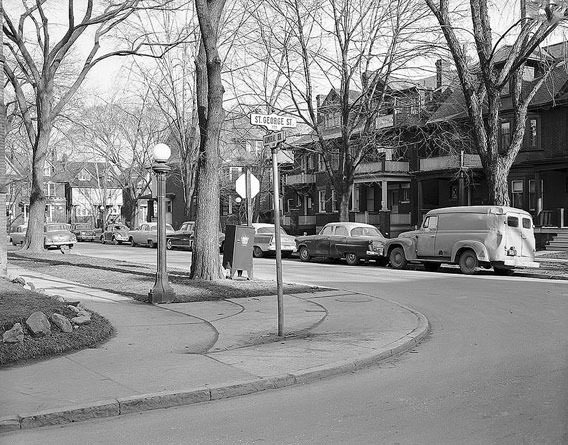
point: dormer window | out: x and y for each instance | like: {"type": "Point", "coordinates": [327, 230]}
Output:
{"type": "Point", "coordinates": [84, 175]}
{"type": "Point", "coordinates": [46, 169]}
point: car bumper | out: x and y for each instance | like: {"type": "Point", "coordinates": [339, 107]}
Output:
{"type": "Point", "coordinates": [59, 243]}
{"type": "Point", "coordinates": [283, 249]}
{"type": "Point", "coordinates": [520, 262]}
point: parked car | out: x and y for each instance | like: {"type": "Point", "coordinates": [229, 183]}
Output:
{"type": "Point", "coordinates": [18, 235]}
{"type": "Point", "coordinates": [487, 236]}
{"type": "Point", "coordinates": [182, 238]}
{"type": "Point", "coordinates": [58, 235]}
{"type": "Point", "coordinates": [265, 241]}
{"type": "Point", "coordinates": [115, 234]}
{"type": "Point", "coordinates": [147, 234]}
{"type": "Point", "coordinates": [344, 240]}
{"type": "Point", "coordinates": [83, 232]}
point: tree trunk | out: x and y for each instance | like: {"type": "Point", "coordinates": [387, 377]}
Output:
{"type": "Point", "coordinates": [205, 260]}
{"type": "Point", "coordinates": [497, 173]}
{"type": "Point", "coordinates": [344, 205]}
{"type": "Point", "coordinates": [3, 221]}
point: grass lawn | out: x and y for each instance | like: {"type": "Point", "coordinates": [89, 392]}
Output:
{"type": "Point", "coordinates": [135, 280]}
{"type": "Point", "coordinates": [17, 304]}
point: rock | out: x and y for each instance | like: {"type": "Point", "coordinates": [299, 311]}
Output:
{"type": "Point", "coordinates": [62, 322]}
{"type": "Point", "coordinates": [81, 320]}
{"type": "Point", "coordinates": [82, 307]}
{"type": "Point", "coordinates": [73, 302]}
{"type": "Point", "coordinates": [19, 280]}
{"type": "Point", "coordinates": [38, 324]}
{"type": "Point", "coordinates": [83, 313]}
{"type": "Point", "coordinates": [14, 335]}
{"type": "Point", "coordinates": [59, 298]}
{"type": "Point", "coordinates": [73, 308]}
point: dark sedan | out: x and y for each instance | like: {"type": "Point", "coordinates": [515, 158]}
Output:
{"type": "Point", "coordinates": [184, 237]}
{"type": "Point", "coordinates": [344, 240]}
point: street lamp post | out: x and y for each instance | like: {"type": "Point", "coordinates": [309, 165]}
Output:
{"type": "Point", "coordinates": [162, 292]}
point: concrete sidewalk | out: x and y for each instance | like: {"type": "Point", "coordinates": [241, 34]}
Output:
{"type": "Point", "coordinates": [177, 354]}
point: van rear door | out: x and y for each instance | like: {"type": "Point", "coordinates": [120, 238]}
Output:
{"type": "Point", "coordinates": [519, 234]}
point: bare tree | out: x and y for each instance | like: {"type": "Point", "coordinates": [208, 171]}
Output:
{"type": "Point", "coordinates": [205, 259]}
{"type": "Point", "coordinates": [41, 71]}
{"type": "Point", "coordinates": [495, 70]}
{"type": "Point", "coordinates": [354, 48]}
{"type": "Point", "coordinates": [3, 124]}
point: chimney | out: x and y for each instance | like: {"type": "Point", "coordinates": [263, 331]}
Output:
{"type": "Point", "coordinates": [439, 72]}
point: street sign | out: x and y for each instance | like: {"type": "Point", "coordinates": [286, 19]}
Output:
{"type": "Point", "coordinates": [271, 140]}
{"type": "Point", "coordinates": [273, 122]}
{"type": "Point", "coordinates": [241, 186]}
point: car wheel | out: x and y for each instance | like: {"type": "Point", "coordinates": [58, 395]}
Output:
{"type": "Point", "coordinates": [102, 239]}
{"type": "Point", "coordinates": [115, 241]}
{"type": "Point", "coordinates": [151, 244]}
{"type": "Point", "coordinates": [132, 243]}
{"type": "Point", "coordinates": [352, 259]}
{"type": "Point", "coordinates": [257, 252]}
{"type": "Point", "coordinates": [431, 267]}
{"type": "Point", "coordinates": [468, 262]}
{"type": "Point", "coordinates": [304, 254]}
{"type": "Point", "coordinates": [169, 245]}
{"type": "Point", "coordinates": [503, 271]}
{"type": "Point", "coordinates": [397, 258]}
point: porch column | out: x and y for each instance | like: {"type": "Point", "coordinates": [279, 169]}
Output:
{"type": "Point", "coordinates": [353, 197]}
{"type": "Point", "coordinates": [538, 191]}
{"type": "Point", "coordinates": [384, 195]}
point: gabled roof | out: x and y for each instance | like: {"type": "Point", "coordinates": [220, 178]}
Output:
{"type": "Point", "coordinates": [554, 89]}
{"type": "Point", "coordinates": [68, 172]}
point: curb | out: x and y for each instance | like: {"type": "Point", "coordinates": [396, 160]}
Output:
{"type": "Point", "coordinates": [169, 399]}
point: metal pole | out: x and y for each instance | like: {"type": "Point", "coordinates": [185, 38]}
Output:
{"type": "Point", "coordinates": [162, 292]}
{"type": "Point", "coordinates": [276, 187]}
{"type": "Point", "coordinates": [249, 199]}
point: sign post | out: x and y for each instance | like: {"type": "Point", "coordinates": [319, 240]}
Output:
{"type": "Point", "coordinates": [275, 123]}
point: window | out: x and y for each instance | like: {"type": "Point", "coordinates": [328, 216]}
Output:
{"type": "Point", "coordinates": [512, 221]}
{"type": "Point", "coordinates": [533, 195]}
{"type": "Point", "coordinates": [527, 223]}
{"type": "Point", "coordinates": [335, 161]}
{"type": "Point", "coordinates": [505, 135]}
{"type": "Point", "coordinates": [517, 190]}
{"type": "Point", "coordinates": [327, 230]}
{"type": "Point", "coordinates": [321, 201]}
{"type": "Point", "coordinates": [49, 189]}
{"type": "Point", "coordinates": [341, 231]}
{"type": "Point", "coordinates": [46, 169]}
{"type": "Point", "coordinates": [310, 162]}
{"type": "Point", "coordinates": [321, 163]}
{"type": "Point", "coordinates": [235, 172]}
{"type": "Point", "coordinates": [430, 223]}
{"type": "Point", "coordinates": [531, 141]}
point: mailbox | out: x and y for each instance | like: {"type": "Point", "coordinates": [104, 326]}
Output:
{"type": "Point", "coordinates": [237, 252]}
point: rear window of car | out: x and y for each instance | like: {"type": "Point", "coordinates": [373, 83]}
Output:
{"type": "Point", "coordinates": [365, 231]}
{"type": "Point", "coordinates": [512, 221]}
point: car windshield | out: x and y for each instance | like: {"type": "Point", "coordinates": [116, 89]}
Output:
{"type": "Point", "coordinates": [55, 227]}
{"type": "Point", "coordinates": [120, 228]}
{"type": "Point", "coordinates": [365, 231]}
{"type": "Point", "coordinates": [270, 230]}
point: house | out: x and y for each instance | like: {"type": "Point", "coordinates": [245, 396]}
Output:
{"type": "Point", "coordinates": [83, 192]}
{"type": "Point", "coordinates": [538, 179]}
{"type": "Point", "coordinates": [381, 191]}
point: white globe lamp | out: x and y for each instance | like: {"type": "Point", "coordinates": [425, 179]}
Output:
{"type": "Point", "coordinates": [161, 153]}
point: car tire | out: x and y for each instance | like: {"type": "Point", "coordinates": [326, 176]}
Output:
{"type": "Point", "coordinates": [257, 252]}
{"type": "Point", "coordinates": [351, 259]}
{"type": "Point", "coordinates": [102, 239]}
{"type": "Point", "coordinates": [132, 243]}
{"type": "Point", "coordinates": [151, 244]}
{"type": "Point", "coordinates": [397, 259]}
{"type": "Point", "coordinates": [503, 271]}
{"type": "Point", "coordinates": [169, 245]}
{"type": "Point", "coordinates": [304, 254]}
{"type": "Point", "coordinates": [432, 267]}
{"type": "Point", "coordinates": [468, 262]}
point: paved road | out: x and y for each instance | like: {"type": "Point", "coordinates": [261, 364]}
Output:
{"type": "Point", "coordinates": [493, 371]}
